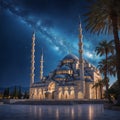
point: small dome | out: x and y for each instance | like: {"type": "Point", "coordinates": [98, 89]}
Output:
{"type": "Point", "coordinates": [70, 56]}
{"type": "Point", "coordinates": [60, 76]}
{"type": "Point", "coordinates": [65, 67]}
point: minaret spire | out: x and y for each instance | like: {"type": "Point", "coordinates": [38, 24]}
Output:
{"type": "Point", "coordinates": [81, 61]}
{"type": "Point", "coordinates": [41, 66]}
{"type": "Point", "coordinates": [81, 52]}
{"type": "Point", "coordinates": [32, 59]}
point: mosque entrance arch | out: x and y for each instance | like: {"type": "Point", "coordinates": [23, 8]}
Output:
{"type": "Point", "coordinates": [50, 94]}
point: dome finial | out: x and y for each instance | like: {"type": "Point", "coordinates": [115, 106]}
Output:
{"type": "Point", "coordinates": [79, 19]}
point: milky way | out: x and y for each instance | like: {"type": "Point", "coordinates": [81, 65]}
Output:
{"type": "Point", "coordinates": [56, 26]}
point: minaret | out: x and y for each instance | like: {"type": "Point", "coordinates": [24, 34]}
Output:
{"type": "Point", "coordinates": [32, 59]}
{"type": "Point", "coordinates": [81, 53]}
{"type": "Point", "coordinates": [41, 66]}
{"type": "Point", "coordinates": [81, 61]}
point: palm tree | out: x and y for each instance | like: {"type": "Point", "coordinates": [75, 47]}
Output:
{"type": "Point", "coordinates": [103, 70]}
{"type": "Point", "coordinates": [95, 86]}
{"type": "Point", "coordinates": [112, 65]}
{"type": "Point", "coordinates": [104, 48]}
{"type": "Point", "coordinates": [101, 84]}
{"type": "Point", "coordinates": [110, 71]}
{"type": "Point", "coordinates": [103, 16]}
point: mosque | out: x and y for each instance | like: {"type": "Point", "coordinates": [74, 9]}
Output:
{"type": "Point", "coordinates": [73, 78]}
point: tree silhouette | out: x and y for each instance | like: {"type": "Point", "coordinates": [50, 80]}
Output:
{"type": "Point", "coordinates": [103, 16]}
{"type": "Point", "coordinates": [15, 93]}
{"type": "Point", "coordinates": [6, 93]}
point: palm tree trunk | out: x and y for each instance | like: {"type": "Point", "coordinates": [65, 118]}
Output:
{"type": "Point", "coordinates": [117, 47]}
{"type": "Point", "coordinates": [96, 92]}
{"type": "Point", "coordinates": [106, 70]}
{"type": "Point", "coordinates": [101, 91]}
{"type": "Point", "coordinates": [106, 78]}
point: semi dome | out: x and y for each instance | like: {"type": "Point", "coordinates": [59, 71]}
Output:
{"type": "Point", "coordinates": [70, 56]}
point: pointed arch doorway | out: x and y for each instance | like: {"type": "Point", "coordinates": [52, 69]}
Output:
{"type": "Point", "coordinates": [50, 94]}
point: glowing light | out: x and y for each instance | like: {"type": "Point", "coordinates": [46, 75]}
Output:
{"type": "Point", "coordinates": [56, 48]}
{"type": "Point", "coordinates": [89, 55]}
{"type": "Point", "coordinates": [45, 29]}
{"type": "Point", "coordinates": [39, 23]}
{"type": "Point", "coordinates": [53, 36]}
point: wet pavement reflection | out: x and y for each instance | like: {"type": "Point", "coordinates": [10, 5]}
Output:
{"type": "Point", "coordinates": [60, 112]}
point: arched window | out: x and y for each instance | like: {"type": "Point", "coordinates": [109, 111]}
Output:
{"type": "Point", "coordinates": [72, 94]}
{"type": "Point", "coordinates": [80, 95]}
{"type": "Point", "coordinates": [66, 93]}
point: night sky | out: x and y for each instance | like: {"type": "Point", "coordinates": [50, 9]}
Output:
{"type": "Point", "coordinates": [56, 26]}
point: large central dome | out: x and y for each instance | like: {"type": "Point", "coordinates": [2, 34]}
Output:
{"type": "Point", "coordinates": [70, 56]}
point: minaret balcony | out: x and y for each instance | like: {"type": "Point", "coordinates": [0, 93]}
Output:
{"type": "Point", "coordinates": [80, 44]}
{"type": "Point", "coordinates": [80, 36]}
{"type": "Point", "coordinates": [80, 51]}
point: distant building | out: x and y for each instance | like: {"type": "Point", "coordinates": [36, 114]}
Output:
{"type": "Point", "coordinates": [72, 79]}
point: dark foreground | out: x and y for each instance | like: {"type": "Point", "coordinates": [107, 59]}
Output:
{"type": "Point", "coordinates": [54, 112]}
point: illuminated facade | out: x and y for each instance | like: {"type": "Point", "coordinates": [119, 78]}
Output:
{"type": "Point", "coordinates": [72, 79]}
